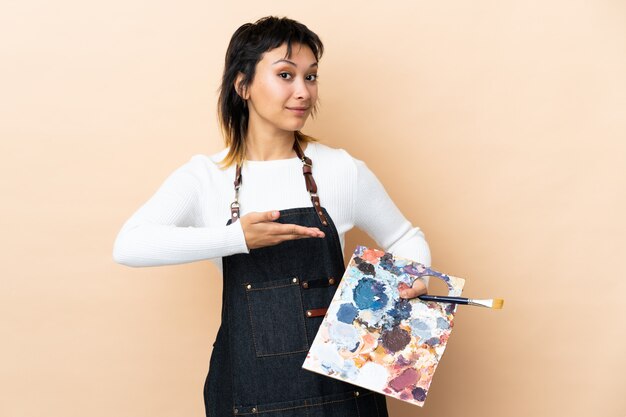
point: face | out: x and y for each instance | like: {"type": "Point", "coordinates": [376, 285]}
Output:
{"type": "Point", "coordinates": [284, 90]}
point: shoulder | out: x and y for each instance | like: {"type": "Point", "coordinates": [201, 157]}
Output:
{"type": "Point", "coordinates": [338, 161]}
{"type": "Point", "coordinates": [322, 150]}
{"type": "Point", "coordinates": [329, 158]}
{"type": "Point", "coordinates": [201, 168]}
{"type": "Point", "coordinates": [210, 163]}
{"type": "Point", "coordinates": [204, 161]}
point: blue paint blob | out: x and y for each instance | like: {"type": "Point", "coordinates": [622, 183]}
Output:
{"type": "Point", "coordinates": [442, 323]}
{"type": "Point", "coordinates": [417, 324]}
{"type": "Point", "coordinates": [419, 394]}
{"type": "Point", "coordinates": [450, 308]}
{"type": "Point", "coordinates": [401, 310]}
{"type": "Point", "coordinates": [420, 329]}
{"type": "Point", "coordinates": [386, 262]}
{"type": "Point", "coordinates": [370, 294]}
{"type": "Point", "coordinates": [347, 313]}
{"type": "Point", "coordinates": [433, 341]}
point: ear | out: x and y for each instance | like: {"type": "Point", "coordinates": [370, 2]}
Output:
{"type": "Point", "coordinates": [239, 88]}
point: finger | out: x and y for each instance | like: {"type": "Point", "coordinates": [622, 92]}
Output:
{"type": "Point", "coordinates": [264, 216]}
{"type": "Point", "coordinates": [416, 290]}
{"type": "Point", "coordinates": [296, 230]}
{"type": "Point", "coordinates": [270, 216]}
{"type": "Point", "coordinates": [299, 232]}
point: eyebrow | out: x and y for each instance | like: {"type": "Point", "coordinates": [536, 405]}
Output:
{"type": "Point", "coordinates": [293, 63]}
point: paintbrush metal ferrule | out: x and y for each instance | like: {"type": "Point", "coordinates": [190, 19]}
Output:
{"type": "Point", "coordinates": [480, 303]}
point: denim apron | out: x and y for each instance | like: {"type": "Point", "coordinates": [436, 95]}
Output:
{"type": "Point", "coordinates": [274, 300]}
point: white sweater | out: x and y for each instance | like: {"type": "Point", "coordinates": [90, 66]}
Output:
{"type": "Point", "coordinates": [185, 220]}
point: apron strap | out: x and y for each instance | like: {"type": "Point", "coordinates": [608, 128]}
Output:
{"type": "Point", "coordinates": [234, 206]}
{"type": "Point", "coordinates": [311, 186]}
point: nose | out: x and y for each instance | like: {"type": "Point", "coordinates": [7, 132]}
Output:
{"type": "Point", "coordinates": [301, 90]}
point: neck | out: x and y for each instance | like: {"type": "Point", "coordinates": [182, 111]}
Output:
{"type": "Point", "coordinates": [269, 147]}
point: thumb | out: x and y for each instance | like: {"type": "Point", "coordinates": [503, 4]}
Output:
{"type": "Point", "coordinates": [418, 289]}
{"type": "Point", "coordinates": [269, 216]}
{"type": "Point", "coordinates": [260, 217]}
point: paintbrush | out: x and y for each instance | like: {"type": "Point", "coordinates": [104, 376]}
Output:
{"type": "Point", "coordinates": [495, 303]}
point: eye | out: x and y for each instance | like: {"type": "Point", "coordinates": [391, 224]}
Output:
{"type": "Point", "coordinates": [285, 75]}
{"type": "Point", "coordinates": [312, 77]}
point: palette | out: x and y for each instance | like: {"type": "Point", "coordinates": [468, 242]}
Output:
{"type": "Point", "coordinates": [372, 338]}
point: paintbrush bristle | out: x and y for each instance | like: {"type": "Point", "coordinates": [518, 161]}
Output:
{"type": "Point", "coordinates": [495, 303]}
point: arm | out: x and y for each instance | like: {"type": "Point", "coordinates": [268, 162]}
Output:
{"type": "Point", "coordinates": [168, 228]}
{"type": "Point", "coordinates": [378, 216]}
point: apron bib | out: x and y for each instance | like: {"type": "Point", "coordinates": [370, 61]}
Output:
{"type": "Point", "coordinates": [274, 300]}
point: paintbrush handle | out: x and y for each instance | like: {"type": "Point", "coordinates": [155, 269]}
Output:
{"type": "Point", "coordinates": [444, 299]}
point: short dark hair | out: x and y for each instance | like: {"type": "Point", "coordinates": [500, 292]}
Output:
{"type": "Point", "coordinates": [245, 50]}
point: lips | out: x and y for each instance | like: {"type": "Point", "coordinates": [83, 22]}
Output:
{"type": "Point", "coordinates": [300, 111]}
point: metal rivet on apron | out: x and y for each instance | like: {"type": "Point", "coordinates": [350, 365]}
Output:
{"type": "Point", "coordinates": [294, 280]}
{"type": "Point", "coordinates": [319, 212]}
{"type": "Point", "coordinates": [235, 411]}
{"type": "Point", "coordinates": [317, 204]}
{"type": "Point", "coordinates": [254, 409]}
{"type": "Point", "coordinates": [356, 393]}
{"type": "Point", "coordinates": [249, 286]}
{"type": "Point", "coordinates": [331, 281]}
{"type": "Point", "coordinates": [234, 214]}
{"type": "Point", "coordinates": [305, 285]}
{"type": "Point", "coordinates": [324, 223]}
{"type": "Point", "coordinates": [308, 313]}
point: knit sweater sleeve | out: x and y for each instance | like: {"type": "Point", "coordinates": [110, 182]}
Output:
{"type": "Point", "coordinates": [168, 229]}
{"type": "Point", "coordinates": [378, 216]}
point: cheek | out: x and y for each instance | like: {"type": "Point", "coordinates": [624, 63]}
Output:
{"type": "Point", "coordinates": [261, 91]}
{"type": "Point", "coordinates": [271, 94]}
{"type": "Point", "coordinates": [274, 88]}
{"type": "Point", "coordinates": [313, 93]}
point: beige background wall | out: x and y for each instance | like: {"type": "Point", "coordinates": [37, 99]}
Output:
{"type": "Point", "coordinates": [497, 126]}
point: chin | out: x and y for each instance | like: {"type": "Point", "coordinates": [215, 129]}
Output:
{"type": "Point", "coordinates": [293, 127]}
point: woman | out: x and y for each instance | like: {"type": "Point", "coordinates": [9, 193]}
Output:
{"type": "Point", "coordinates": [277, 230]}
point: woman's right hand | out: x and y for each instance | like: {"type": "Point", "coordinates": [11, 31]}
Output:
{"type": "Point", "coordinates": [261, 230]}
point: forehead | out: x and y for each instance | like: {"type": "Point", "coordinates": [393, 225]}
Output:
{"type": "Point", "coordinates": [300, 54]}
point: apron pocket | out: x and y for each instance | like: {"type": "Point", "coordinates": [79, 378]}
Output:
{"type": "Point", "coordinates": [346, 404]}
{"type": "Point", "coordinates": [276, 317]}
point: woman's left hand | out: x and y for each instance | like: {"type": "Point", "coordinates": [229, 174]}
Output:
{"type": "Point", "coordinates": [418, 288]}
